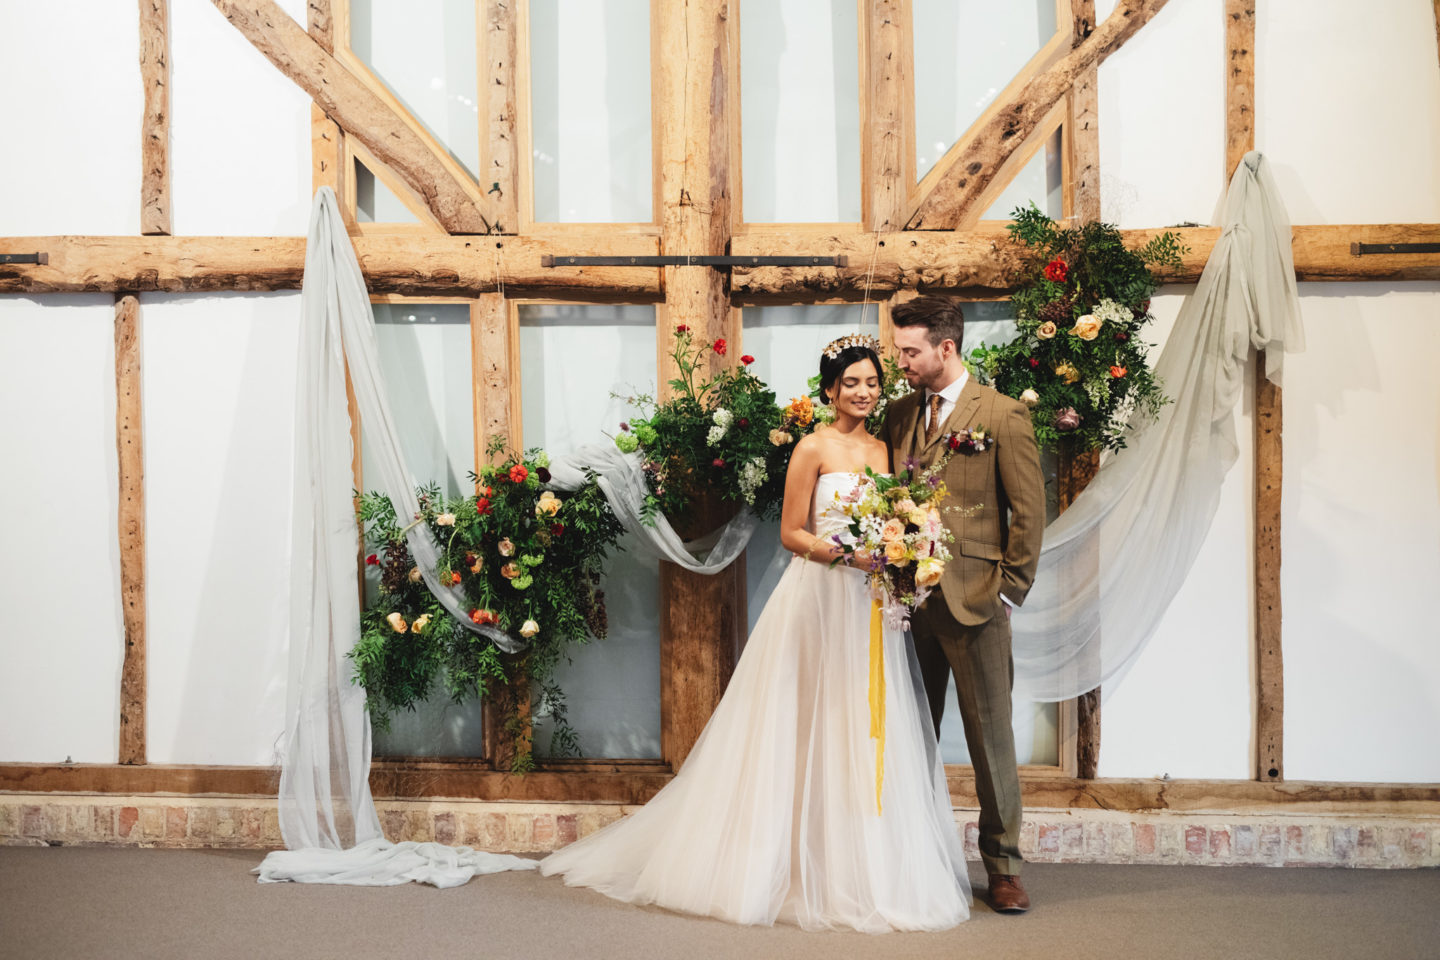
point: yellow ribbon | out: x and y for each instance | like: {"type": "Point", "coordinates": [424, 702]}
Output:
{"type": "Point", "coordinates": [877, 697]}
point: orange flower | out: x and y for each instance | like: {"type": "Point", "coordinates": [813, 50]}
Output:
{"type": "Point", "coordinates": [1118, 371]}
{"type": "Point", "coordinates": [455, 576]}
{"type": "Point", "coordinates": [801, 411]}
{"type": "Point", "coordinates": [518, 473]}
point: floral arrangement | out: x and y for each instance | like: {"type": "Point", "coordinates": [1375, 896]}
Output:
{"type": "Point", "coordinates": [1082, 300]}
{"type": "Point", "coordinates": [725, 434]}
{"type": "Point", "coordinates": [527, 559]}
{"type": "Point", "coordinates": [897, 533]}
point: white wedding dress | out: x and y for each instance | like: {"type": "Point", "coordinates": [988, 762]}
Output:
{"type": "Point", "coordinates": [773, 814]}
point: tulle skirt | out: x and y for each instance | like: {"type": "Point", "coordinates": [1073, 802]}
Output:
{"type": "Point", "coordinates": [773, 815]}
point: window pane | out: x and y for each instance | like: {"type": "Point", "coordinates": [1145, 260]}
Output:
{"type": "Point", "coordinates": [1041, 181]}
{"type": "Point", "coordinates": [424, 51]}
{"type": "Point", "coordinates": [966, 52]}
{"type": "Point", "coordinates": [572, 357]}
{"type": "Point", "coordinates": [590, 110]}
{"type": "Point", "coordinates": [800, 110]}
{"type": "Point", "coordinates": [786, 343]}
{"type": "Point", "coordinates": [377, 203]}
{"type": "Point", "coordinates": [425, 362]}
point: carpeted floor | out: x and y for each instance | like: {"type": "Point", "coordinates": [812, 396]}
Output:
{"type": "Point", "coordinates": [73, 903]}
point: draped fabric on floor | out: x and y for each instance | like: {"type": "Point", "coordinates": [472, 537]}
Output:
{"type": "Point", "coordinates": [1114, 560]}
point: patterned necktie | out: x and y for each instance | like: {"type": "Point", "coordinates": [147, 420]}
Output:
{"type": "Point", "coordinates": [932, 429]}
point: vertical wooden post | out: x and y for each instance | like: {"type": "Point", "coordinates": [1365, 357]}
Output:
{"type": "Point", "coordinates": [1269, 664]}
{"type": "Point", "coordinates": [702, 620]}
{"type": "Point", "coordinates": [155, 123]}
{"type": "Point", "coordinates": [499, 139]}
{"type": "Point", "coordinates": [887, 165]}
{"type": "Point", "coordinates": [130, 454]}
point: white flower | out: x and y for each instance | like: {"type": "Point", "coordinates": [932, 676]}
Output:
{"type": "Point", "coordinates": [1110, 311]}
{"type": "Point", "coordinates": [1029, 397]}
{"type": "Point", "coordinates": [752, 476]}
{"type": "Point", "coordinates": [529, 628]}
{"type": "Point", "coordinates": [445, 520]}
{"type": "Point", "coordinates": [716, 434]}
{"type": "Point", "coordinates": [723, 417]}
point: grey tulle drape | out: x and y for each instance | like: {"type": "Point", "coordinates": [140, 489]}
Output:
{"type": "Point", "coordinates": [327, 814]}
{"type": "Point", "coordinates": [1114, 560]}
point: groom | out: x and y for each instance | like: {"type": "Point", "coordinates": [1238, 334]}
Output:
{"type": "Point", "coordinates": [964, 627]}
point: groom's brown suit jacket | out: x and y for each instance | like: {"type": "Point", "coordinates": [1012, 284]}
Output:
{"type": "Point", "coordinates": [1001, 491]}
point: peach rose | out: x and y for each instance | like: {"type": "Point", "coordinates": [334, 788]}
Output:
{"type": "Point", "coordinates": [893, 530]}
{"type": "Point", "coordinates": [510, 571]}
{"type": "Point", "coordinates": [1029, 397]}
{"type": "Point", "coordinates": [445, 520]}
{"type": "Point", "coordinates": [397, 622]}
{"type": "Point", "coordinates": [1046, 330]}
{"type": "Point", "coordinates": [505, 547]}
{"type": "Point", "coordinates": [547, 504]}
{"type": "Point", "coordinates": [905, 506]}
{"type": "Point", "coordinates": [529, 628]}
{"type": "Point", "coordinates": [895, 554]}
{"type": "Point", "coordinates": [1087, 327]}
{"type": "Point", "coordinates": [927, 572]}
{"type": "Point", "coordinates": [414, 575]}
{"type": "Point", "coordinates": [478, 565]}
{"type": "Point", "coordinates": [918, 517]}
{"type": "Point", "coordinates": [421, 622]}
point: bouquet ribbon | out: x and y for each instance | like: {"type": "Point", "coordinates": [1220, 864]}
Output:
{"type": "Point", "coordinates": [877, 697]}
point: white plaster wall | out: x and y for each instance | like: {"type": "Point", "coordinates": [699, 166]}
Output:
{"type": "Point", "coordinates": [240, 131]}
{"type": "Point", "coordinates": [219, 423]}
{"type": "Point", "coordinates": [1346, 101]}
{"type": "Point", "coordinates": [70, 153]}
{"type": "Point", "coordinates": [1184, 708]}
{"type": "Point", "coordinates": [63, 640]}
{"type": "Point", "coordinates": [1361, 536]}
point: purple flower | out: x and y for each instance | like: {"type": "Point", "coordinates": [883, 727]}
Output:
{"type": "Point", "coordinates": [911, 463]}
{"type": "Point", "coordinates": [1067, 419]}
{"type": "Point", "coordinates": [933, 480]}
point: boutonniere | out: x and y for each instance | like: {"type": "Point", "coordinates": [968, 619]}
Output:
{"type": "Point", "coordinates": [970, 441]}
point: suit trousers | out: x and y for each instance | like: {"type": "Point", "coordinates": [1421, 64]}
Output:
{"type": "Point", "coordinates": [979, 657]}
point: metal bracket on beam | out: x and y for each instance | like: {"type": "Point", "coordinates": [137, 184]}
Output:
{"type": "Point", "coordinates": [689, 260]}
{"type": "Point", "coordinates": [1370, 249]}
{"type": "Point", "coordinates": [39, 258]}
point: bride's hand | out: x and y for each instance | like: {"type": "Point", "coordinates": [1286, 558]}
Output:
{"type": "Point", "coordinates": [862, 558]}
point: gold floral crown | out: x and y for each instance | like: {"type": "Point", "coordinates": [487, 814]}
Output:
{"type": "Point", "coordinates": [851, 340]}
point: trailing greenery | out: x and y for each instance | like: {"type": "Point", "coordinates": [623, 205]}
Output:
{"type": "Point", "coordinates": [528, 561]}
{"type": "Point", "coordinates": [1083, 298]}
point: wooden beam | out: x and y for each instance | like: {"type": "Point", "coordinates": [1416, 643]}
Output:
{"type": "Point", "coordinates": [1269, 419]}
{"type": "Point", "coordinates": [422, 266]}
{"type": "Point", "coordinates": [621, 781]}
{"type": "Point", "coordinates": [887, 165]}
{"type": "Point", "coordinates": [499, 148]}
{"type": "Point", "coordinates": [155, 121]}
{"type": "Point", "coordinates": [979, 157]}
{"type": "Point", "coordinates": [359, 111]}
{"type": "Point", "coordinates": [702, 619]}
{"type": "Point", "coordinates": [1084, 124]}
{"type": "Point", "coordinates": [130, 454]}
{"type": "Point", "coordinates": [320, 24]}
{"type": "Point", "coordinates": [491, 365]}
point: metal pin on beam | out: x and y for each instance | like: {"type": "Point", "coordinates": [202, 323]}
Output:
{"type": "Point", "coordinates": [38, 258]}
{"type": "Point", "coordinates": [1370, 249]}
{"type": "Point", "coordinates": [693, 260]}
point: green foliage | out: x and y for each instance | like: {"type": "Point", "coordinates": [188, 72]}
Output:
{"type": "Point", "coordinates": [521, 556]}
{"type": "Point", "coordinates": [1079, 362]}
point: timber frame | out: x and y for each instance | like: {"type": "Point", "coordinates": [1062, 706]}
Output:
{"type": "Point", "coordinates": [478, 243]}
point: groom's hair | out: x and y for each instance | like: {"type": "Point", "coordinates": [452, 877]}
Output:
{"type": "Point", "coordinates": [940, 316]}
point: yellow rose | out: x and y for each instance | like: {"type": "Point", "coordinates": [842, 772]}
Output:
{"type": "Point", "coordinates": [548, 504]}
{"type": "Point", "coordinates": [918, 517]}
{"type": "Point", "coordinates": [927, 572]}
{"type": "Point", "coordinates": [529, 628]}
{"type": "Point", "coordinates": [895, 553]}
{"type": "Point", "coordinates": [421, 622]}
{"type": "Point", "coordinates": [1046, 330]}
{"type": "Point", "coordinates": [507, 548]}
{"type": "Point", "coordinates": [893, 530]}
{"type": "Point", "coordinates": [1087, 327]}
{"type": "Point", "coordinates": [1029, 397]}
{"type": "Point", "coordinates": [397, 622]}
{"type": "Point", "coordinates": [1067, 372]}
{"type": "Point", "coordinates": [779, 438]}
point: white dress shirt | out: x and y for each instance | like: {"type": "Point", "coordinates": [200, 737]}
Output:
{"type": "Point", "coordinates": [949, 396]}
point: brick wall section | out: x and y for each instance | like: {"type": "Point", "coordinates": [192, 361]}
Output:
{"type": "Point", "coordinates": [1051, 836]}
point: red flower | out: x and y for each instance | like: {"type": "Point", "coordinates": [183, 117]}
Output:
{"type": "Point", "coordinates": [1056, 270]}
{"type": "Point", "coordinates": [1122, 336]}
{"type": "Point", "coordinates": [718, 463]}
{"type": "Point", "coordinates": [719, 346]}
{"type": "Point", "coordinates": [518, 473]}
{"type": "Point", "coordinates": [482, 507]}
{"type": "Point", "coordinates": [624, 426]}
{"type": "Point", "coordinates": [483, 492]}
{"type": "Point", "coordinates": [954, 441]}
{"type": "Point", "coordinates": [557, 528]}
{"type": "Point", "coordinates": [372, 560]}
{"type": "Point", "coordinates": [743, 422]}
{"type": "Point", "coordinates": [1034, 362]}
{"type": "Point", "coordinates": [747, 359]}
{"type": "Point", "coordinates": [483, 616]}
{"type": "Point", "coordinates": [681, 328]}
{"type": "Point", "coordinates": [1117, 372]}
{"type": "Point", "coordinates": [543, 474]}
{"type": "Point", "coordinates": [469, 559]}
{"type": "Point", "coordinates": [455, 576]}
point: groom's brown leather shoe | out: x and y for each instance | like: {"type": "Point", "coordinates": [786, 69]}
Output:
{"type": "Point", "coordinates": [1007, 895]}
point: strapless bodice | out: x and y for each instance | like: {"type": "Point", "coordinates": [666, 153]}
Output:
{"type": "Point", "coordinates": [832, 492]}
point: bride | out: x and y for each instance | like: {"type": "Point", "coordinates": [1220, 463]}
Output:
{"type": "Point", "coordinates": [773, 816]}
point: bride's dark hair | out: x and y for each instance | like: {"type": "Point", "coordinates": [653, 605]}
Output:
{"type": "Point", "coordinates": [832, 367]}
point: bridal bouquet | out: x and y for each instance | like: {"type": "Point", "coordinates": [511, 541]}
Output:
{"type": "Point", "coordinates": [897, 533]}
